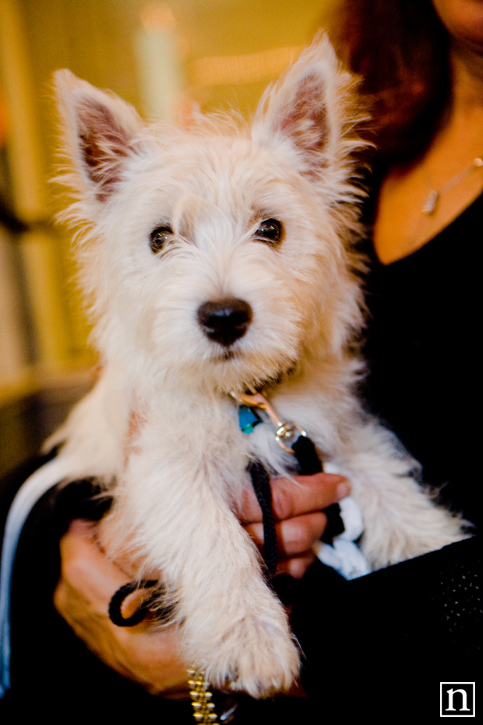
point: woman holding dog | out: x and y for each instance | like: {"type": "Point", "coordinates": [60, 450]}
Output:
{"type": "Point", "coordinates": [421, 63]}
{"type": "Point", "coordinates": [423, 75]}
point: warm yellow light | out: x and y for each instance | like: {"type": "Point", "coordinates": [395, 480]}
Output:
{"type": "Point", "coordinates": [234, 69]}
{"type": "Point", "coordinates": [157, 16]}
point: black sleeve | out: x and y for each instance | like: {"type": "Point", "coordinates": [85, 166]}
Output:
{"type": "Point", "coordinates": [384, 642]}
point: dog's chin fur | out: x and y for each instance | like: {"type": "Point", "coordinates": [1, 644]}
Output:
{"type": "Point", "coordinates": [160, 428]}
{"type": "Point", "coordinates": [229, 373]}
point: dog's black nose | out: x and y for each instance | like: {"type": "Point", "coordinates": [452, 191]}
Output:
{"type": "Point", "coordinates": [225, 321]}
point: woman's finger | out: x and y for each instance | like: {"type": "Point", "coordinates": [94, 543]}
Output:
{"type": "Point", "coordinates": [292, 498]}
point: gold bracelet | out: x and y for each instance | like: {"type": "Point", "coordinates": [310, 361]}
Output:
{"type": "Point", "coordinates": [201, 698]}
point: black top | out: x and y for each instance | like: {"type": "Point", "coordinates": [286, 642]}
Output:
{"type": "Point", "coordinates": [423, 360]}
{"type": "Point", "coordinates": [381, 644]}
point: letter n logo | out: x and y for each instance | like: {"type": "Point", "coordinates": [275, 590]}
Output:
{"type": "Point", "coordinates": [457, 699]}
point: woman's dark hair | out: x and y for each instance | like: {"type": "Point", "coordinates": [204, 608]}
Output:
{"type": "Point", "coordinates": [400, 49]}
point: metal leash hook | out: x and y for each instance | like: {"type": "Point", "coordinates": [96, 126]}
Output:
{"type": "Point", "coordinates": [284, 431]}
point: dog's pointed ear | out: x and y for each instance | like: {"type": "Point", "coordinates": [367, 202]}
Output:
{"type": "Point", "coordinates": [101, 133]}
{"type": "Point", "coordinates": [313, 108]}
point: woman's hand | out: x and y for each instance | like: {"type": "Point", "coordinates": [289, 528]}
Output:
{"type": "Point", "coordinates": [300, 521]}
{"type": "Point", "coordinates": [87, 582]}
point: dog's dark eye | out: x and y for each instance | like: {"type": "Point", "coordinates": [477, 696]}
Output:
{"type": "Point", "coordinates": [159, 237]}
{"type": "Point", "coordinates": [270, 230]}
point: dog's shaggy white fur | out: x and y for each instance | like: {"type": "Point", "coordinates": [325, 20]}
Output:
{"type": "Point", "coordinates": [194, 294]}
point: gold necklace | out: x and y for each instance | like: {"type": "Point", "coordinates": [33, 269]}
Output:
{"type": "Point", "coordinates": [432, 198]}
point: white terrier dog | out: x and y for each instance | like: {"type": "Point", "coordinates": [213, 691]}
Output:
{"type": "Point", "coordinates": [215, 261]}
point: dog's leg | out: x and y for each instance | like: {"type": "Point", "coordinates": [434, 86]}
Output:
{"type": "Point", "coordinates": [178, 521]}
{"type": "Point", "coordinates": [400, 519]}
{"type": "Point", "coordinates": [94, 433]}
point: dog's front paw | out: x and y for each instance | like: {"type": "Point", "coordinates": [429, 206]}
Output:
{"type": "Point", "coordinates": [258, 658]}
{"type": "Point", "coordinates": [269, 666]}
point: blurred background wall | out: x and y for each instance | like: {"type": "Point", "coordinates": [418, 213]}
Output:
{"type": "Point", "coordinates": [154, 54]}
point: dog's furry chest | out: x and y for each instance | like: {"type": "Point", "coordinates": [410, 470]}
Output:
{"type": "Point", "coordinates": [209, 441]}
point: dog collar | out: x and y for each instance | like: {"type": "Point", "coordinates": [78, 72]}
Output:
{"type": "Point", "coordinates": [286, 433]}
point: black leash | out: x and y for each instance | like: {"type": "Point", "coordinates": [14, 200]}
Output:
{"type": "Point", "coordinates": [161, 613]}
{"type": "Point", "coordinates": [115, 605]}
{"type": "Point", "coordinates": [308, 463]}
{"type": "Point", "coordinates": [261, 486]}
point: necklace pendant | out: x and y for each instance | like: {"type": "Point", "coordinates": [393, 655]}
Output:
{"type": "Point", "coordinates": [431, 202]}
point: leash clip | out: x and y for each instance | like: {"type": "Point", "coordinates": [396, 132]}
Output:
{"type": "Point", "coordinates": [284, 431]}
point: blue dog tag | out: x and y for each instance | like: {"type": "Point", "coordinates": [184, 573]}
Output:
{"type": "Point", "coordinates": [248, 418]}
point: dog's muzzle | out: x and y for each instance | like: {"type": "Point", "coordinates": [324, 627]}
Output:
{"type": "Point", "coordinates": [225, 321]}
